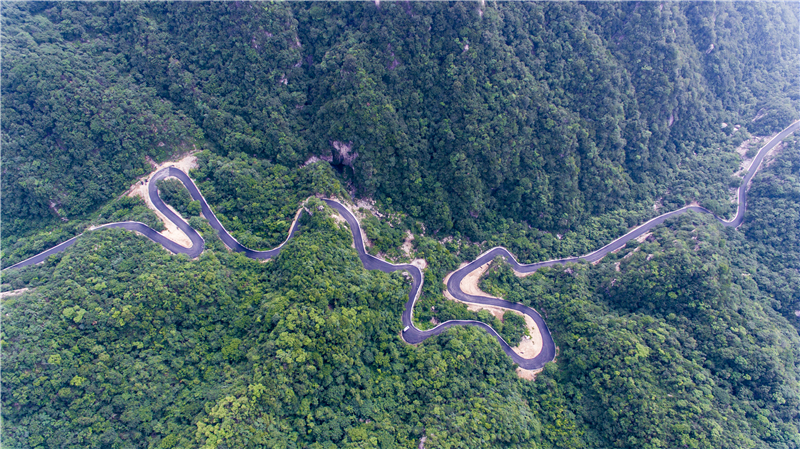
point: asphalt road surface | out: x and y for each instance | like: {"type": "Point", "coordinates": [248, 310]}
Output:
{"type": "Point", "coordinates": [411, 334]}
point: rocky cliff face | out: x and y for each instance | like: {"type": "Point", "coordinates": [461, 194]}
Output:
{"type": "Point", "coordinates": [343, 153]}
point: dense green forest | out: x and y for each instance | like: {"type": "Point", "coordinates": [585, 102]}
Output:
{"type": "Point", "coordinates": [683, 339]}
{"type": "Point", "coordinates": [459, 115]}
{"type": "Point", "coordinates": [120, 344]}
{"type": "Point", "coordinates": [77, 125]}
{"type": "Point", "coordinates": [548, 128]}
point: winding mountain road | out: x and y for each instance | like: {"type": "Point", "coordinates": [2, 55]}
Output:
{"type": "Point", "coordinates": [411, 333]}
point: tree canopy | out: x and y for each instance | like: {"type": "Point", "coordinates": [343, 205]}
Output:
{"type": "Point", "coordinates": [547, 128]}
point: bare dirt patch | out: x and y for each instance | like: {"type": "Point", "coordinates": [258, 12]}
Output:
{"type": "Point", "coordinates": [530, 346]}
{"type": "Point", "coordinates": [186, 164]}
{"type": "Point", "coordinates": [420, 263]}
{"type": "Point", "coordinates": [407, 246]}
{"type": "Point", "coordinates": [734, 195]}
{"type": "Point", "coordinates": [368, 204]}
{"type": "Point", "coordinates": [469, 284]}
{"type": "Point", "coordinates": [4, 295]}
{"type": "Point", "coordinates": [742, 149]}
{"type": "Point", "coordinates": [528, 374]}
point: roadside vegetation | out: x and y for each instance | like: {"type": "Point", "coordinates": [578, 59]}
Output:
{"type": "Point", "coordinates": [548, 128]}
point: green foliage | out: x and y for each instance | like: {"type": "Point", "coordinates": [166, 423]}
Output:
{"type": "Point", "coordinates": [137, 347]}
{"type": "Point", "coordinates": [678, 334]}
{"type": "Point", "coordinates": [77, 123]}
{"type": "Point", "coordinates": [549, 128]}
{"type": "Point", "coordinates": [514, 328]}
{"type": "Point", "coordinates": [466, 119]}
{"type": "Point", "coordinates": [173, 192]}
{"type": "Point", "coordinates": [773, 210]}
{"type": "Point", "coordinates": [257, 201]}
{"type": "Point", "coordinates": [383, 235]}
{"type": "Point", "coordinates": [18, 248]}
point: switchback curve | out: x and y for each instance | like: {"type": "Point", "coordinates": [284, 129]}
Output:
{"type": "Point", "coordinates": [410, 333]}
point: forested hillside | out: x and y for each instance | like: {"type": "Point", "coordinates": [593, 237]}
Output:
{"type": "Point", "coordinates": [680, 340]}
{"type": "Point", "coordinates": [119, 344]}
{"type": "Point", "coordinates": [77, 125]}
{"type": "Point", "coordinates": [547, 128]}
{"type": "Point", "coordinates": [460, 115]}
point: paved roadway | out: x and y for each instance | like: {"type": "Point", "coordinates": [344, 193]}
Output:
{"type": "Point", "coordinates": [411, 333]}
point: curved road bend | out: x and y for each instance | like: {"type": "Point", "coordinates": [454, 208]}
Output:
{"type": "Point", "coordinates": [411, 334]}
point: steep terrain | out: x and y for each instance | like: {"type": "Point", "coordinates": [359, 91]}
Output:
{"type": "Point", "coordinates": [459, 115]}
{"type": "Point", "coordinates": [547, 128]}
